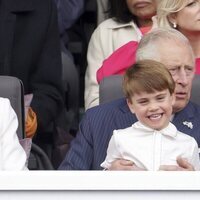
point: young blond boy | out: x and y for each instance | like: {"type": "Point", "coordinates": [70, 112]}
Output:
{"type": "Point", "coordinates": [153, 140]}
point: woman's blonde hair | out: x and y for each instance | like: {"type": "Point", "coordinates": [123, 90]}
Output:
{"type": "Point", "coordinates": [167, 7]}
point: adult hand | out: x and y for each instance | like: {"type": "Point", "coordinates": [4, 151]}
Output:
{"type": "Point", "coordinates": [183, 165]}
{"type": "Point", "coordinates": [121, 164]}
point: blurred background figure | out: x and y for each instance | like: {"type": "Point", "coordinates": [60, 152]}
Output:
{"type": "Point", "coordinates": [69, 12]}
{"type": "Point", "coordinates": [30, 51]}
{"type": "Point", "coordinates": [181, 15]}
{"type": "Point", "coordinates": [184, 16]}
{"type": "Point", "coordinates": [12, 155]}
{"type": "Point", "coordinates": [102, 8]}
{"type": "Point", "coordinates": [128, 21]}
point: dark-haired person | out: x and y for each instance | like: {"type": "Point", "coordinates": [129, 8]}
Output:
{"type": "Point", "coordinates": [68, 13]}
{"type": "Point", "coordinates": [181, 15]}
{"type": "Point", "coordinates": [128, 21]}
{"type": "Point", "coordinates": [30, 51]}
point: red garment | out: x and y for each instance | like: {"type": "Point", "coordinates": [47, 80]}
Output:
{"type": "Point", "coordinates": [120, 59]}
{"type": "Point", "coordinates": [197, 66]}
{"type": "Point", "coordinates": [145, 29]}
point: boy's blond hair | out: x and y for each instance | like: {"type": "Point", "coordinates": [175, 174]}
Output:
{"type": "Point", "coordinates": [147, 76]}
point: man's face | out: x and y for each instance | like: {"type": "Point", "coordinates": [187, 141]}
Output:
{"type": "Point", "coordinates": [180, 62]}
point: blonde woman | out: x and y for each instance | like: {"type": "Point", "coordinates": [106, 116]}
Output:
{"type": "Point", "coordinates": [128, 21]}
{"type": "Point", "coordinates": [183, 15]}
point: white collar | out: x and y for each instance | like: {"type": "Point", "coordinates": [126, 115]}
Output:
{"type": "Point", "coordinates": [170, 130]}
{"type": "Point", "coordinates": [121, 25]}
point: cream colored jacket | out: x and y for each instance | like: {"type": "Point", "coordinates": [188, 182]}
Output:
{"type": "Point", "coordinates": [106, 38]}
{"type": "Point", "coordinates": [12, 155]}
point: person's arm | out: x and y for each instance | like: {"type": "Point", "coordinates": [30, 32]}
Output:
{"type": "Point", "coordinates": [46, 81]}
{"type": "Point", "coordinates": [183, 165]}
{"type": "Point", "coordinates": [190, 164]}
{"type": "Point", "coordinates": [113, 152]}
{"type": "Point", "coordinates": [13, 156]}
{"type": "Point", "coordinates": [195, 159]}
{"type": "Point", "coordinates": [81, 153]}
{"type": "Point", "coordinates": [122, 164]}
{"type": "Point", "coordinates": [68, 12]}
{"type": "Point", "coordinates": [95, 57]}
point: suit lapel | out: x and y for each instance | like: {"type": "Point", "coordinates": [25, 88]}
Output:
{"type": "Point", "coordinates": [185, 119]}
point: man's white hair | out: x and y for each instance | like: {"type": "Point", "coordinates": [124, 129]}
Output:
{"type": "Point", "coordinates": [150, 43]}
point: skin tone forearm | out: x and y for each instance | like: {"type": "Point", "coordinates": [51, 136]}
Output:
{"type": "Point", "coordinates": [183, 165]}
{"type": "Point", "coordinates": [120, 164]}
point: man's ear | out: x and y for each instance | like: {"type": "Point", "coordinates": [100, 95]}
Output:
{"type": "Point", "coordinates": [130, 105]}
{"type": "Point", "coordinates": [172, 18]}
{"type": "Point", "coordinates": [173, 99]}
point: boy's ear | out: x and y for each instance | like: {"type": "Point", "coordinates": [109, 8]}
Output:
{"type": "Point", "coordinates": [172, 18]}
{"type": "Point", "coordinates": [130, 105]}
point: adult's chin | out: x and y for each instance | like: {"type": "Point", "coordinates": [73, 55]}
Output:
{"type": "Point", "coordinates": [179, 105]}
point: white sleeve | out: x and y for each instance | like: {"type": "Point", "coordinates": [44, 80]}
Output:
{"type": "Point", "coordinates": [95, 58]}
{"type": "Point", "coordinates": [195, 157]}
{"type": "Point", "coordinates": [113, 152]}
{"type": "Point", "coordinates": [13, 156]}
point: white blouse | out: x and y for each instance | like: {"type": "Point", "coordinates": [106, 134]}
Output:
{"type": "Point", "coordinates": [149, 148]}
{"type": "Point", "coordinates": [12, 155]}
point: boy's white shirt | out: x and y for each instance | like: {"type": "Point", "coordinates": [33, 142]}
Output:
{"type": "Point", "coordinates": [149, 148]}
{"type": "Point", "coordinates": [12, 155]}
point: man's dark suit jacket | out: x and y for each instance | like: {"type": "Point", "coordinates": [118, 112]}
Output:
{"type": "Point", "coordinates": [30, 50]}
{"type": "Point", "coordinates": [88, 149]}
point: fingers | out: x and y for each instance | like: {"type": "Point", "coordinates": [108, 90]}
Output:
{"type": "Point", "coordinates": [131, 166]}
{"type": "Point", "coordinates": [126, 162]}
{"type": "Point", "coordinates": [124, 165]}
{"type": "Point", "coordinates": [121, 165]}
{"type": "Point", "coordinates": [183, 163]}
